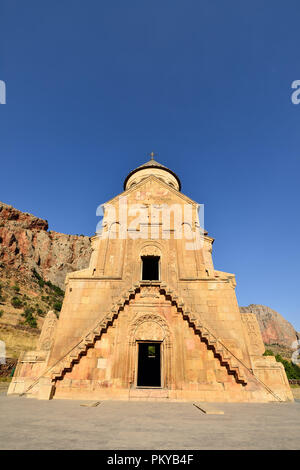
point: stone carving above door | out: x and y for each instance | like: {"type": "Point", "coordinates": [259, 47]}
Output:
{"type": "Point", "coordinates": [150, 250]}
{"type": "Point", "coordinates": [149, 327]}
{"type": "Point", "coordinates": [149, 331]}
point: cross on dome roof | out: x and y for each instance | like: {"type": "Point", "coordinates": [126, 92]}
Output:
{"type": "Point", "coordinates": [152, 155]}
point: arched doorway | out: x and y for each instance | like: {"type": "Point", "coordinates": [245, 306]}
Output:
{"type": "Point", "coordinates": [150, 360]}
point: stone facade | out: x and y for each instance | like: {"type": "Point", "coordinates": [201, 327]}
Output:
{"type": "Point", "coordinates": [205, 349]}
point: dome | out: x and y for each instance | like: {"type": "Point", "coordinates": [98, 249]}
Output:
{"type": "Point", "coordinates": [152, 167]}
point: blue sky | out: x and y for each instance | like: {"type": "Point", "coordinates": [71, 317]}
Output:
{"type": "Point", "coordinates": [94, 86]}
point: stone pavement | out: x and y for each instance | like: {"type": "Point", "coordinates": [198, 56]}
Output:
{"type": "Point", "coordinates": [64, 424]}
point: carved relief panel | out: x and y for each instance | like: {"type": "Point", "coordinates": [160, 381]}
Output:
{"type": "Point", "coordinates": [46, 338]}
{"type": "Point", "coordinates": [251, 327]}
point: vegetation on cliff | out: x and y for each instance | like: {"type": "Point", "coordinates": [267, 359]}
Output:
{"type": "Point", "coordinates": [24, 301]}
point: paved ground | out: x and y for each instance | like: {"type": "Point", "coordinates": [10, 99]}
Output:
{"type": "Point", "coordinates": [64, 424]}
{"type": "Point", "coordinates": [296, 392]}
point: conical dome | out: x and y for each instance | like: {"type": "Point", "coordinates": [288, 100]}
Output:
{"type": "Point", "coordinates": [152, 167]}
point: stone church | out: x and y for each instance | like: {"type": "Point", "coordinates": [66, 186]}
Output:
{"type": "Point", "coordinates": [151, 318]}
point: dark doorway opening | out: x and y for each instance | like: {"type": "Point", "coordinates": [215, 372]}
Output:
{"type": "Point", "coordinates": [150, 271]}
{"type": "Point", "coordinates": [149, 365]}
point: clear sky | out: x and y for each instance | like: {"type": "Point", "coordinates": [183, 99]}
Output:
{"type": "Point", "coordinates": [95, 85]}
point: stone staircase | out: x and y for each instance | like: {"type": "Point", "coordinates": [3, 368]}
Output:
{"type": "Point", "coordinates": [226, 358]}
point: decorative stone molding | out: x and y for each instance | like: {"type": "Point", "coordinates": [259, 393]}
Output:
{"type": "Point", "coordinates": [150, 291]}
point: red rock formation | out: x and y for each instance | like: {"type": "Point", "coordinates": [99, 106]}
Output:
{"type": "Point", "coordinates": [26, 244]}
{"type": "Point", "coordinates": [274, 328]}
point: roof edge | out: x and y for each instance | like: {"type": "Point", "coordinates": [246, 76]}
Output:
{"type": "Point", "coordinates": [159, 166]}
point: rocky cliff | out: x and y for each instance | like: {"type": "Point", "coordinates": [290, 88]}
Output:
{"type": "Point", "coordinates": [274, 328]}
{"type": "Point", "coordinates": [26, 244]}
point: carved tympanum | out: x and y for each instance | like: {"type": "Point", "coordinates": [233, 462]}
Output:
{"type": "Point", "coordinates": [150, 250]}
{"type": "Point", "coordinates": [149, 331]}
{"type": "Point", "coordinates": [149, 328]}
